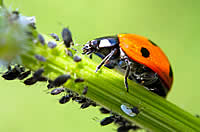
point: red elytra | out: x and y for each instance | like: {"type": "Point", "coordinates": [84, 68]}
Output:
{"type": "Point", "coordinates": [131, 44]}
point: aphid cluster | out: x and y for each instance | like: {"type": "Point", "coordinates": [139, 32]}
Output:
{"type": "Point", "coordinates": [18, 72]}
{"type": "Point", "coordinates": [37, 76]}
{"type": "Point", "coordinates": [124, 125]}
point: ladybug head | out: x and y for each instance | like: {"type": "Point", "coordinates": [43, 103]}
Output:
{"type": "Point", "coordinates": [102, 45]}
{"type": "Point", "coordinates": [91, 46]}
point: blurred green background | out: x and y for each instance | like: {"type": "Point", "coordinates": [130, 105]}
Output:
{"type": "Point", "coordinates": [173, 24]}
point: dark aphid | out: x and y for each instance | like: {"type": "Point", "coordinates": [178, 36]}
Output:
{"type": "Point", "coordinates": [85, 105]}
{"type": "Point", "coordinates": [42, 79]}
{"type": "Point", "coordinates": [127, 128]}
{"type": "Point", "coordinates": [68, 52]}
{"type": "Point", "coordinates": [107, 120]}
{"type": "Point", "coordinates": [104, 110]}
{"type": "Point", "coordinates": [57, 91]}
{"type": "Point", "coordinates": [60, 80]}
{"type": "Point", "coordinates": [41, 39]}
{"type": "Point", "coordinates": [84, 92]}
{"type": "Point", "coordinates": [24, 75]}
{"type": "Point", "coordinates": [38, 73]}
{"type": "Point", "coordinates": [12, 74]}
{"type": "Point", "coordinates": [79, 80]}
{"type": "Point", "coordinates": [77, 58]}
{"type": "Point", "coordinates": [52, 44]}
{"type": "Point", "coordinates": [67, 37]}
{"type": "Point", "coordinates": [80, 100]}
{"type": "Point", "coordinates": [64, 99]}
{"type": "Point", "coordinates": [135, 110]}
{"type": "Point", "coordinates": [30, 81]}
{"type": "Point", "coordinates": [40, 58]}
{"type": "Point", "coordinates": [55, 36]}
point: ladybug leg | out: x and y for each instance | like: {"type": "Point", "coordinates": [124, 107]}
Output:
{"type": "Point", "coordinates": [149, 78]}
{"type": "Point", "coordinates": [128, 68]}
{"type": "Point", "coordinates": [107, 58]}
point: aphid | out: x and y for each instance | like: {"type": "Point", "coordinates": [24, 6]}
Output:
{"type": "Point", "coordinates": [41, 39]}
{"type": "Point", "coordinates": [57, 91]}
{"type": "Point", "coordinates": [84, 92]}
{"type": "Point", "coordinates": [77, 58]}
{"type": "Point", "coordinates": [24, 75]}
{"type": "Point", "coordinates": [55, 36]}
{"type": "Point", "coordinates": [130, 111]}
{"type": "Point", "coordinates": [30, 81]}
{"type": "Point", "coordinates": [85, 105]}
{"type": "Point", "coordinates": [67, 37]}
{"type": "Point", "coordinates": [135, 110]}
{"type": "Point", "coordinates": [64, 99]}
{"type": "Point", "coordinates": [80, 100]}
{"type": "Point", "coordinates": [107, 120]}
{"type": "Point", "coordinates": [36, 77]}
{"type": "Point", "coordinates": [104, 110]}
{"type": "Point", "coordinates": [127, 128]}
{"type": "Point", "coordinates": [52, 44]}
{"type": "Point", "coordinates": [38, 73]}
{"type": "Point", "coordinates": [40, 58]}
{"type": "Point", "coordinates": [79, 80]}
{"type": "Point", "coordinates": [138, 58]}
{"type": "Point", "coordinates": [12, 74]}
{"type": "Point", "coordinates": [60, 80]}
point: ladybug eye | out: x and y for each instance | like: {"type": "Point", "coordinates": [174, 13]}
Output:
{"type": "Point", "coordinates": [94, 43]}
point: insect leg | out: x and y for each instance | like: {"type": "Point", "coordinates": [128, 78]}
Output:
{"type": "Point", "coordinates": [106, 59]}
{"type": "Point", "coordinates": [127, 73]}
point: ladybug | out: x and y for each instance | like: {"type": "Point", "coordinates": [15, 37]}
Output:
{"type": "Point", "coordinates": [140, 59]}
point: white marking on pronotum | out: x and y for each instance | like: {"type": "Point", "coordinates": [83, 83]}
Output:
{"type": "Point", "coordinates": [105, 43]}
{"type": "Point", "coordinates": [127, 110]}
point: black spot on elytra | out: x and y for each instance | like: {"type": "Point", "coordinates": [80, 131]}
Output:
{"type": "Point", "coordinates": [145, 52]}
{"type": "Point", "coordinates": [153, 43]}
{"type": "Point", "coordinates": [170, 71]}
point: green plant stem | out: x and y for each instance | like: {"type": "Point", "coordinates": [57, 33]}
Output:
{"type": "Point", "coordinates": [106, 87]}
